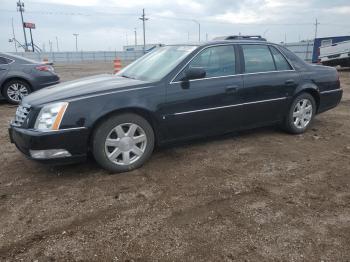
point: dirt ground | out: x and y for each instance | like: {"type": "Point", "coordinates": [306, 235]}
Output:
{"type": "Point", "coordinates": [259, 195]}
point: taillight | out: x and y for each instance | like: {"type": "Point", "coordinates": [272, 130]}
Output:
{"type": "Point", "coordinates": [46, 68]}
{"type": "Point", "coordinates": [338, 76]}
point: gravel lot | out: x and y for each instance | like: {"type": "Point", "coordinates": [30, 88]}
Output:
{"type": "Point", "coordinates": [259, 195]}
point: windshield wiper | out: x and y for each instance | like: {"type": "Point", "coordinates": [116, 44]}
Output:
{"type": "Point", "coordinates": [128, 77]}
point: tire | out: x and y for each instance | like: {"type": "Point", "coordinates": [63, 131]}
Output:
{"type": "Point", "coordinates": [305, 116]}
{"type": "Point", "coordinates": [130, 142]}
{"type": "Point", "coordinates": [15, 90]}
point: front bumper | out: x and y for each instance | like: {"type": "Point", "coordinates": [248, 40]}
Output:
{"type": "Point", "coordinates": [74, 141]}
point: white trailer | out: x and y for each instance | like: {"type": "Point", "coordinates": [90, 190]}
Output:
{"type": "Point", "coordinates": [335, 54]}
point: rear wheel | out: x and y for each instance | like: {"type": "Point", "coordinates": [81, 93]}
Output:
{"type": "Point", "coordinates": [15, 90]}
{"type": "Point", "coordinates": [301, 114]}
{"type": "Point", "coordinates": [123, 142]}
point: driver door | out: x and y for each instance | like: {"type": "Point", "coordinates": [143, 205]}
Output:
{"type": "Point", "coordinates": [205, 106]}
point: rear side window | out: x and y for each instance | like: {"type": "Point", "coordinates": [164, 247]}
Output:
{"type": "Point", "coordinates": [257, 58]}
{"type": "Point", "coordinates": [280, 61]}
{"type": "Point", "coordinates": [4, 61]}
{"type": "Point", "coordinates": [216, 61]}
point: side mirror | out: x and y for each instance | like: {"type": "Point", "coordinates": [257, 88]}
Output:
{"type": "Point", "coordinates": [194, 73]}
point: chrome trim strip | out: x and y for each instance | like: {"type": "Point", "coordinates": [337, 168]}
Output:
{"type": "Point", "coordinates": [331, 91]}
{"type": "Point", "coordinates": [114, 92]}
{"type": "Point", "coordinates": [48, 131]}
{"type": "Point", "coordinates": [54, 131]}
{"type": "Point", "coordinates": [228, 106]}
{"type": "Point", "coordinates": [174, 82]}
{"type": "Point", "coordinates": [215, 77]}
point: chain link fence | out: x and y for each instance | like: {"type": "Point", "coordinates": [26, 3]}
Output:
{"type": "Point", "coordinates": [79, 57]}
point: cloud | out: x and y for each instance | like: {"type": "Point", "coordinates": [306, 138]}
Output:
{"type": "Point", "coordinates": [340, 10]}
{"type": "Point", "coordinates": [103, 24]}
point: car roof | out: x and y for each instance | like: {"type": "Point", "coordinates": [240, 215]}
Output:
{"type": "Point", "coordinates": [220, 42]}
{"type": "Point", "coordinates": [240, 41]}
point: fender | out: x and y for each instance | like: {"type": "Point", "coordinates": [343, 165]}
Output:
{"type": "Point", "coordinates": [306, 86]}
{"type": "Point", "coordinates": [309, 87]}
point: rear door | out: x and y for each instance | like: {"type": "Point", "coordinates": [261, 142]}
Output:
{"type": "Point", "coordinates": [269, 80]}
{"type": "Point", "coordinates": [205, 105]}
{"type": "Point", "coordinates": [4, 67]}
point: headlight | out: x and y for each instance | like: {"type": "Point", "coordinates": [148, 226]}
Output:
{"type": "Point", "coordinates": [50, 116]}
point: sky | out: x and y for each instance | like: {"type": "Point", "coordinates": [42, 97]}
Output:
{"type": "Point", "coordinates": [110, 24]}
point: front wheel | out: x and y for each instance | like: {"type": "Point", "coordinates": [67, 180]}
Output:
{"type": "Point", "coordinates": [123, 142]}
{"type": "Point", "coordinates": [301, 114]}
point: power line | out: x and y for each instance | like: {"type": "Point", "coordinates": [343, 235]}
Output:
{"type": "Point", "coordinates": [210, 21]}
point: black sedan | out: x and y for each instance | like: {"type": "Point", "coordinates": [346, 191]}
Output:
{"type": "Point", "coordinates": [173, 93]}
{"type": "Point", "coordinates": [20, 76]}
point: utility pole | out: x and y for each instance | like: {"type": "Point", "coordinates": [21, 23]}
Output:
{"type": "Point", "coordinates": [135, 37]}
{"type": "Point", "coordinates": [13, 35]}
{"type": "Point", "coordinates": [316, 27]}
{"type": "Point", "coordinates": [31, 39]}
{"type": "Point", "coordinates": [76, 41]}
{"type": "Point", "coordinates": [144, 19]}
{"type": "Point", "coordinates": [57, 44]}
{"type": "Point", "coordinates": [20, 8]}
{"type": "Point", "coordinates": [199, 30]}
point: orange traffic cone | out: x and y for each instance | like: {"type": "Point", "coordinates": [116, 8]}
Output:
{"type": "Point", "coordinates": [117, 65]}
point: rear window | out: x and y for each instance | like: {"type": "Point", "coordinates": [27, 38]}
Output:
{"type": "Point", "coordinates": [257, 58]}
{"type": "Point", "coordinates": [280, 61]}
{"type": "Point", "coordinates": [4, 61]}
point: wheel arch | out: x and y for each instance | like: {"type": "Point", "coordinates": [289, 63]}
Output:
{"type": "Point", "coordinates": [312, 90]}
{"type": "Point", "coordinates": [146, 114]}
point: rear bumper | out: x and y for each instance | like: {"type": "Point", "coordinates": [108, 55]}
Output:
{"type": "Point", "coordinates": [330, 99]}
{"type": "Point", "coordinates": [41, 82]}
{"type": "Point", "coordinates": [74, 140]}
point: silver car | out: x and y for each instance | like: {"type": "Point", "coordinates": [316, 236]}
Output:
{"type": "Point", "coordinates": [20, 76]}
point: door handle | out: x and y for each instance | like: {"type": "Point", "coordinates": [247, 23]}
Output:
{"type": "Point", "coordinates": [231, 89]}
{"type": "Point", "coordinates": [290, 82]}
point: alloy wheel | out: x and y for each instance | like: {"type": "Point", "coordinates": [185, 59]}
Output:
{"type": "Point", "coordinates": [125, 144]}
{"type": "Point", "coordinates": [17, 91]}
{"type": "Point", "coordinates": [302, 113]}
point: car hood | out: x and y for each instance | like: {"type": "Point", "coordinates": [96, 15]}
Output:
{"type": "Point", "coordinates": [92, 85]}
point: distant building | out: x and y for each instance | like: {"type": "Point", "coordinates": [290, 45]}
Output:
{"type": "Point", "coordinates": [309, 50]}
{"type": "Point", "coordinates": [148, 47]}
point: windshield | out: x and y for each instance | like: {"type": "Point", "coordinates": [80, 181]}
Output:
{"type": "Point", "coordinates": [156, 64]}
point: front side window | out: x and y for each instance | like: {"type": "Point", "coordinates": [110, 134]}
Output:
{"type": "Point", "coordinates": [257, 58]}
{"type": "Point", "coordinates": [216, 61]}
{"type": "Point", "coordinates": [280, 61]}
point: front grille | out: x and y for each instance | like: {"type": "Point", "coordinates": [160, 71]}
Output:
{"type": "Point", "coordinates": [21, 115]}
